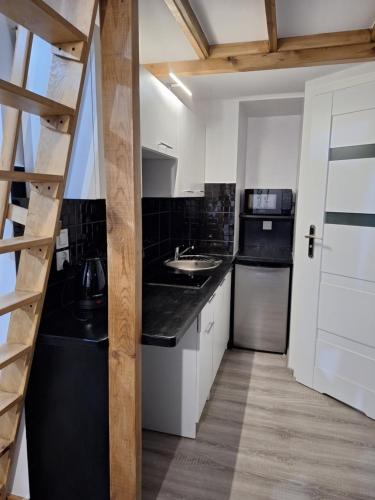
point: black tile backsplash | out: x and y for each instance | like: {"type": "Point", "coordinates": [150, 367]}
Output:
{"type": "Point", "coordinates": [207, 222]}
{"type": "Point", "coordinates": [86, 224]}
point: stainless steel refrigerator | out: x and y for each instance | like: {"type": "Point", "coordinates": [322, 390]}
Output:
{"type": "Point", "coordinates": [261, 307]}
{"type": "Point", "coordinates": [262, 283]}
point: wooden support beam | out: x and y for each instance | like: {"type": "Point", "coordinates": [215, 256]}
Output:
{"type": "Point", "coordinates": [271, 23]}
{"type": "Point", "coordinates": [239, 49]}
{"type": "Point", "coordinates": [321, 40]}
{"type": "Point", "coordinates": [184, 15]}
{"type": "Point", "coordinates": [120, 78]}
{"type": "Point", "coordinates": [373, 33]}
{"type": "Point", "coordinates": [272, 60]}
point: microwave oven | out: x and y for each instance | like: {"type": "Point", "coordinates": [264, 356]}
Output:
{"type": "Point", "coordinates": [268, 201]}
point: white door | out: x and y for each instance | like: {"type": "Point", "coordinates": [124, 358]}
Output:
{"type": "Point", "coordinates": [332, 345]}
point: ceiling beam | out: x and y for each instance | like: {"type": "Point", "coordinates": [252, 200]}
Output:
{"type": "Point", "coordinates": [337, 39]}
{"type": "Point", "coordinates": [373, 33]}
{"type": "Point", "coordinates": [271, 23]}
{"type": "Point", "coordinates": [239, 49]}
{"type": "Point", "coordinates": [184, 15]}
{"type": "Point", "coordinates": [272, 60]}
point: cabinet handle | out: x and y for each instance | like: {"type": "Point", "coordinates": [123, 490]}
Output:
{"type": "Point", "coordinates": [212, 298]}
{"type": "Point", "coordinates": [188, 191]}
{"type": "Point", "coordinates": [210, 327]}
{"type": "Point", "coordinates": [165, 144]}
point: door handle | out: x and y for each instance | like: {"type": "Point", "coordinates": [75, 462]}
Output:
{"type": "Point", "coordinates": [165, 145]}
{"type": "Point", "coordinates": [311, 237]}
{"type": "Point", "coordinates": [210, 327]}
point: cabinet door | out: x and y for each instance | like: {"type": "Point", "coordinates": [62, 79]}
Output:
{"type": "Point", "coordinates": [159, 115]}
{"type": "Point", "coordinates": [205, 355]}
{"type": "Point", "coordinates": [169, 386]}
{"type": "Point", "coordinates": [222, 322]}
{"type": "Point", "coordinates": [191, 158]}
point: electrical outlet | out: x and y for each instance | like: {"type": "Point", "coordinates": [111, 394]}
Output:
{"type": "Point", "coordinates": [62, 240]}
{"type": "Point", "coordinates": [267, 225]}
{"type": "Point", "coordinates": [61, 257]}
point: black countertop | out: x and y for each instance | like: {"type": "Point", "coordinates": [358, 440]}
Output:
{"type": "Point", "coordinates": [67, 324]}
{"type": "Point", "coordinates": [168, 312]}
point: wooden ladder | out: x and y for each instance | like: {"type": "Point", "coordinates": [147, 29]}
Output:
{"type": "Point", "coordinates": [67, 25]}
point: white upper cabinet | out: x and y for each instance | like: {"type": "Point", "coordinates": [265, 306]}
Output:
{"type": "Point", "coordinates": [170, 130]}
{"type": "Point", "coordinates": [159, 115]}
{"type": "Point", "coordinates": [191, 159]}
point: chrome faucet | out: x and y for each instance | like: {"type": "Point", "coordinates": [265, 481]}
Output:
{"type": "Point", "coordinates": [177, 253]}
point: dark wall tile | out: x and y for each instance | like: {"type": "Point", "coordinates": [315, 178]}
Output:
{"type": "Point", "coordinates": [207, 222]}
{"type": "Point", "coordinates": [150, 229]}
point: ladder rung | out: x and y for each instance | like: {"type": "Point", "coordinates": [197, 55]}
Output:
{"type": "Point", "coordinates": [6, 175]}
{"type": "Point", "coordinates": [14, 300]}
{"type": "Point", "coordinates": [7, 401]}
{"type": "Point", "coordinates": [39, 18]}
{"type": "Point", "coordinates": [12, 352]}
{"type": "Point", "coordinates": [17, 214]}
{"type": "Point", "coordinates": [25, 100]}
{"type": "Point", "coordinates": [4, 446]}
{"type": "Point", "coordinates": [22, 243]}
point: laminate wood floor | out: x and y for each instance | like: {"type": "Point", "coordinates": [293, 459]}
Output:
{"type": "Point", "coordinates": [264, 436]}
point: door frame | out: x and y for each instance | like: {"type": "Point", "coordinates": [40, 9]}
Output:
{"type": "Point", "coordinates": [303, 329]}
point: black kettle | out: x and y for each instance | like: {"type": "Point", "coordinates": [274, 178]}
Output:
{"type": "Point", "coordinates": [93, 284]}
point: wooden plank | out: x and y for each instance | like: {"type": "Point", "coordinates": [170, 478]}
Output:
{"type": "Point", "coordinates": [25, 100]}
{"type": "Point", "coordinates": [8, 400]}
{"type": "Point", "coordinates": [39, 18]}
{"type": "Point", "coordinates": [273, 60]}
{"type": "Point", "coordinates": [10, 353]}
{"type": "Point", "coordinates": [188, 22]}
{"type": "Point", "coordinates": [29, 177]}
{"type": "Point", "coordinates": [17, 214]}
{"type": "Point", "coordinates": [373, 33]}
{"type": "Point", "coordinates": [15, 497]}
{"type": "Point", "coordinates": [325, 40]}
{"type": "Point", "coordinates": [12, 119]}
{"type": "Point", "coordinates": [14, 300]}
{"type": "Point", "coordinates": [23, 242]}
{"type": "Point", "coordinates": [120, 77]}
{"type": "Point", "coordinates": [238, 49]}
{"type": "Point", "coordinates": [270, 7]}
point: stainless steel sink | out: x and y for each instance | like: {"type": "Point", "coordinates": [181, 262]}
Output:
{"type": "Point", "coordinates": [191, 263]}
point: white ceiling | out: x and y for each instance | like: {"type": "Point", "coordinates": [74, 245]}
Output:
{"type": "Point", "coordinates": [232, 85]}
{"type": "Point", "coordinates": [308, 17]}
{"type": "Point", "coordinates": [226, 21]}
{"type": "Point", "coordinates": [273, 107]}
{"type": "Point", "coordinates": [160, 37]}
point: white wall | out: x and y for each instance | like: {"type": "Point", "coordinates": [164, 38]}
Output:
{"type": "Point", "coordinates": [241, 170]}
{"type": "Point", "coordinates": [273, 145]}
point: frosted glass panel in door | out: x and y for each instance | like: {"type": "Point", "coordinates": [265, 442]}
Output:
{"type": "Point", "coordinates": [349, 251]}
{"type": "Point", "coordinates": [351, 186]}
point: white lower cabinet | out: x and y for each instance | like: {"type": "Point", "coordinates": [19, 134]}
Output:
{"type": "Point", "coordinates": [206, 330]}
{"type": "Point", "coordinates": [222, 322]}
{"type": "Point", "coordinates": [176, 382]}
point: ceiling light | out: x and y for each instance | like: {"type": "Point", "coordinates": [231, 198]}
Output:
{"type": "Point", "coordinates": [180, 84]}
